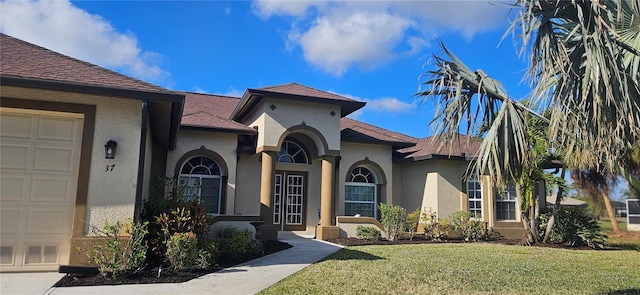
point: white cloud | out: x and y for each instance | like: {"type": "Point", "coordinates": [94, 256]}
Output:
{"type": "Point", "coordinates": [233, 92]}
{"type": "Point", "coordinates": [338, 35]}
{"type": "Point", "coordinates": [387, 105]}
{"type": "Point", "coordinates": [62, 27]}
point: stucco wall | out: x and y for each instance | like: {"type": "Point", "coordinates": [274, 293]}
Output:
{"type": "Point", "coordinates": [248, 186]}
{"type": "Point", "coordinates": [352, 153]}
{"type": "Point", "coordinates": [111, 194]}
{"type": "Point", "coordinates": [273, 123]}
{"type": "Point", "coordinates": [450, 186]}
{"type": "Point", "coordinates": [419, 186]}
{"type": "Point", "coordinates": [224, 144]}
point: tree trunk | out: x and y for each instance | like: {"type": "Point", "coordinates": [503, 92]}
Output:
{"type": "Point", "coordinates": [612, 215]}
{"type": "Point", "coordinates": [556, 208]}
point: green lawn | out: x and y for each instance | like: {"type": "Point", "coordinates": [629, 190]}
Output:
{"type": "Point", "coordinates": [474, 268]}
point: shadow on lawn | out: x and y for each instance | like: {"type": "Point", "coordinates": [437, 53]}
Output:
{"type": "Point", "coordinates": [350, 254]}
{"type": "Point", "coordinates": [624, 292]}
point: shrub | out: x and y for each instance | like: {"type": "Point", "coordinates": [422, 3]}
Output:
{"type": "Point", "coordinates": [182, 250]}
{"type": "Point", "coordinates": [394, 219]}
{"type": "Point", "coordinates": [168, 213]}
{"type": "Point", "coordinates": [207, 254]}
{"type": "Point", "coordinates": [237, 245]}
{"type": "Point", "coordinates": [413, 219]}
{"type": "Point", "coordinates": [574, 226]}
{"type": "Point", "coordinates": [466, 228]}
{"type": "Point", "coordinates": [115, 256]}
{"type": "Point", "coordinates": [368, 233]}
{"type": "Point", "coordinates": [434, 228]}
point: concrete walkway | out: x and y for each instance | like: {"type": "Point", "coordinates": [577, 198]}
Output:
{"type": "Point", "coordinates": [246, 278]}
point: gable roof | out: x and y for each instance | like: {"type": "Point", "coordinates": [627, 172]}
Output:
{"type": "Point", "coordinates": [209, 111]}
{"type": "Point", "coordinates": [356, 131]}
{"type": "Point", "coordinates": [23, 64]}
{"type": "Point", "coordinates": [30, 61]}
{"type": "Point", "coordinates": [463, 147]}
{"type": "Point", "coordinates": [293, 91]}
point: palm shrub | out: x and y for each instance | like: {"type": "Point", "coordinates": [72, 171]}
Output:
{"type": "Point", "coordinates": [575, 226]}
{"type": "Point", "coordinates": [394, 219]}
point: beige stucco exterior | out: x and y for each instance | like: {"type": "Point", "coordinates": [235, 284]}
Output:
{"type": "Point", "coordinates": [222, 143]}
{"type": "Point", "coordinates": [275, 117]}
{"type": "Point", "coordinates": [377, 158]}
{"type": "Point", "coordinates": [111, 194]}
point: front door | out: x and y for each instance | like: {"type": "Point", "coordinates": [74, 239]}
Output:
{"type": "Point", "coordinates": [289, 198]}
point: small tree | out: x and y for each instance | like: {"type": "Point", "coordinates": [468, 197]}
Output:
{"type": "Point", "coordinates": [413, 219]}
{"type": "Point", "coordinates": [394, 219]}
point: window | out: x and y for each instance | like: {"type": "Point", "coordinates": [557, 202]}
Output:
{"type": "Point", "coordinates": [291, 152]}
{"type": "Point", "coordinates": [506, 203]}
{"type": "Point", "coordinates": [474, 196]}
{"type": "Point", "coordinates": [360, 193]}
{"type": "Point", "coordinates": [202, 178]}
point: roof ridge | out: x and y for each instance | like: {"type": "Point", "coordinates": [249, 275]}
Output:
{"type": "Point", "coordinates": [377, 127]}
{"type": "Point", "coordinates": [210, 94]}
{"type": "Point", "coordinates": [280, 85]}
{"type": "Point", "coordinates": [94, 66]}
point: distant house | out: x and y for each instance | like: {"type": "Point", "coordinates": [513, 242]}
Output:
{"type": "Point", "coordinates": [284, 154]}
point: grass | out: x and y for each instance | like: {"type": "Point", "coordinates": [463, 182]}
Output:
{"type": "Point", "coordinates": [625, 239]}
{"type": "Point", "coordinates": [467, 268]}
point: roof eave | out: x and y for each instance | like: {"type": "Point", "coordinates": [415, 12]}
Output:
{"type": "Point", "coordinates": [217, 129]}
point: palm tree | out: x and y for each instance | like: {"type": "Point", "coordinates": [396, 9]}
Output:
{"type": "Point", "coordinates": [585, 65]}
{"type": "Point", "coordinates": [585, 69]}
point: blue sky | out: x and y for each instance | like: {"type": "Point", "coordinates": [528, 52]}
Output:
{"type": "Point", "coordinates": [372, 51]}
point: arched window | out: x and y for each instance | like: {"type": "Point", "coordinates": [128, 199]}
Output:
{"type": "Point", "coordinates": [360, 195]}
{"type": "Point", "coordinates": [474, 197]}
{"type": "Point", "coordinates": [291, 152]}
{"type": "Point", "coordinates": [203, 182]}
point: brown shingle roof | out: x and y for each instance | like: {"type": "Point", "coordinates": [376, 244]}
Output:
{"type": "Point", "coordinates": [294, 91]}
{"type": "Point", "coordinates": [301, 90]}
{"type": "Point", "coordinates": [211, 112]}
{"type": "Point", "coordinates": [26, 60]}
{"type": "Point", "coordinates": [356, 131]}
{"type": "Point", "coordinates": [426, 148]}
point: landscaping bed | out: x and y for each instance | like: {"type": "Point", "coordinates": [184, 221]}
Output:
{"type": "Point", "coordinates": [153, 275]}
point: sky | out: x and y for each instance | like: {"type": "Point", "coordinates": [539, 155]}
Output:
{"type": "Point", "coordinates": [372, 51]}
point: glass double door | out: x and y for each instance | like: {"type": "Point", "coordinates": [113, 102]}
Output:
{"type": "Point", "coordinates": [289, 200]}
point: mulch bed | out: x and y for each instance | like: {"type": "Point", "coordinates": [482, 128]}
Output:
{"type": "Point", "coordinates": [151, 275]}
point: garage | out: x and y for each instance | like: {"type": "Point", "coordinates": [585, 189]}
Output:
{"type": "Point", "coordinates": [39, 159]}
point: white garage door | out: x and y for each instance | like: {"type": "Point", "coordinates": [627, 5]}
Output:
{"type": "Point", "coordinates": [39, 160]}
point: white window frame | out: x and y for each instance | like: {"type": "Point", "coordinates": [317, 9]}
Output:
{"type": "Point", "coordinates": [194, 189]}
{"type": "Point", "coordinates": [508, 196]}
{"type": "Point", "coordinates": [473, 198]}
{"type": "Point", "coordinates": [375, 196]}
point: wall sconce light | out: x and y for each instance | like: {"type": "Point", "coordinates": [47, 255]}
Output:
{"type": "Point", "coordinates": [110, 149]}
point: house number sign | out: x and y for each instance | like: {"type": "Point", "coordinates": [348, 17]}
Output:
{"type": "Point", "coordinates": [109, 168]}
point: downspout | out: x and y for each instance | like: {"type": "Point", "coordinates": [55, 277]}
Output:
{"type": "Point", "coordinates": [141, 161]}
{"type": "Point", "coordinates": [336, 189]}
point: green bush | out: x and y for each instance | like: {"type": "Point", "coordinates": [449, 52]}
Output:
{"type": "Point", "coordinates": [182, 250]}
{"type": "Point", "coordinates": [368, 233]}
{"type": "Point", "coordinates": [413, 219]}
{"type": "Point", "coordinates": [394, 219]}
{"type": "Point", "coordinates": [575, 226]}
{"type": "Point", "coordinates": [207, 254]}
{"type": "Point", "coordinates": [468, 229]}
{"type": "Point", "coordinates": [115, 256]}
{"type": "Point", "coordinates": [434, 228]}
{"type": "Point", "coordinates": [237, 245]}
{"type": "Point", "coordinates": [168, 213]}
